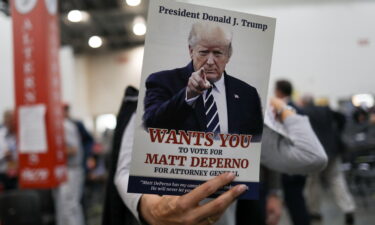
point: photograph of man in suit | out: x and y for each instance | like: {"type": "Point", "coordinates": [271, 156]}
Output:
{"type": "Point", "coordinates": [202, 96]}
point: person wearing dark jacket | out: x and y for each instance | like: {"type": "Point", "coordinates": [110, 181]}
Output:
{"type": "Point", "coordinates": [328, 126]}
{"type": "Point", "coordinates": [115, 212]}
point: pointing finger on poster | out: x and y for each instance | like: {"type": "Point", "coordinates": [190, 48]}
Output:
{"type": "Point", "coordinates": [197, 83]}
{"type": "Point", "coordinates": [207, 84]}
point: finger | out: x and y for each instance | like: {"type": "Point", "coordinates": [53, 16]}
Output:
{"type": "Point", "coordinates": [207, 84]}
{"type": "Point", "coordinates": [198, 74]}
{"type": "Point", "coordinates": [200, 83]}
{"type": "Point", "coordinates": [206, 189]}
{"type": "Point", "coordinates": [205, 222]}
{"type": "Point", "coordinates": [197, 77]}
{"type": "Point", "coordinates": [210, 220]}
{"type": "Point", "coordinates": [194, 86]}
{"type": "Point", "coordinates": [202, 73]}
{"type": "Point", "coordinates": [195, 89]}
{"type": "Point", "coordinates": [194, 83]}
{"type": "Point", "coordinates": [203, 84]}
{"type": "Point", "coordinates": [221, 203]}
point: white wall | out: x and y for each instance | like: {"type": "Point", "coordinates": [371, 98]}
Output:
{"type": "Point", "coordinates": [316, 44]}
{"type": "Point", "coordinates": [68, 74]}
{"type": "Point", "coordinates": [6, 65]}
{"type": "Point", "coordinates": [80, 105]}
{"type": "Point", "coordinates": [107, 77]}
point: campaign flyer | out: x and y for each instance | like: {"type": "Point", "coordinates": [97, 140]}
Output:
{"type": "Point", "coordinates": [203, 90]}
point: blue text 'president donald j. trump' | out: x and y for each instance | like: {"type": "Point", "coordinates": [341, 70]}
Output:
{"type": "Point", "coordinates": [202, 96]}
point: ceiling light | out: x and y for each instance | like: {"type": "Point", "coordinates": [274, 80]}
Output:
{"type": "Point", "coordinates": [364, 100]}
{"type": "Point", "coordinates": [139, 29]}
{"type": "Point", "coordinates": [139, 26]}
{"type": "Point", "coordinates": [95, 42]}
{"type": "Point", "coordinates": [133, 2]}
{"type": "Point", "coordinates": [75, 16]}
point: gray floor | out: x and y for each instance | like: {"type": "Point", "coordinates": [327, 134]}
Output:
{"type": "Point", "coordinates": [365, 213]}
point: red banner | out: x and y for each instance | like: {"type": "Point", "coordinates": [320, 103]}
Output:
{"type": "Point", "coordinates": [40, 134]}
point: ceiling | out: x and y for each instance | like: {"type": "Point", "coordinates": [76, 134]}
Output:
{"type": "Point", "coordinates": [112, 20]}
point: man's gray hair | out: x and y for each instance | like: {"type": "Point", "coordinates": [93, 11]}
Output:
{"type": "Point", "coordinates": [200, 30]}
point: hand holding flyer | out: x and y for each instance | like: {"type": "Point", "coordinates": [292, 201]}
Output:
{"type": "Point", "coordinates": [167, 209]}
{"type": "Point", "coordinates": [197, 121]}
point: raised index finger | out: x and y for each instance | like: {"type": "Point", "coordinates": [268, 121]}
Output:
{"type": "Point", "coordinates": [208, 188]}
{"type": "Point", "coordinates": [203, 75]}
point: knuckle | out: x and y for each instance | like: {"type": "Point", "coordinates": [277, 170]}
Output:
{"type": "Point", "coordinates": [209, 188]}
{"type": "Point", "coordinates": [155, 212]}
{"type": "Point", "coordinates": [166, 208]}
{"type": "Point", "coordinates": [181, 205]}
{"type": "Point", "coordinates": [220, 205]}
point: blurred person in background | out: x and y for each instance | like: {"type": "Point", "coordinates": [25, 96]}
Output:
{"type": "Point", "coordinates": [328, 126]}
{"type": "Point", "coordinates": [115, 212]}
{"type": "Point", "coordinates": [359, 133]}
{"type": "Point", "coordinates": [293, 185]}
{"type": "Point", "coordinates": [87, 142]}
{"type": "Point", "coordinates": [8, 153]}
{"type": "Point", "coordinates": [86, 139]}
{"type": "Point", "coordinates": [284, 90]}
{"type": "Point", "coordinates": [68, 194]}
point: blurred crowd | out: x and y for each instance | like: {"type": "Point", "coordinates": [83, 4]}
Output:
{"type": "Point", "coordinates": [348, 137]}
{"type": "Point", "coordinates": [76, 201]}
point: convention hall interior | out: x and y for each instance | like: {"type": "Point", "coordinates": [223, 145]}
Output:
{"type": "Point", "coordinates": [324, 48]}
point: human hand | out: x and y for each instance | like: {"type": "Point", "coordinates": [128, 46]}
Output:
{"type": "Point", "coordinates": [277, 103]}
{"type": "Point", "coordinates": [280, 109]}
{"type": "Point", "coordinates": [185, 209]}
{"type": "Point", "coordinates": [197, 83]}
{"type": "Point", "coordinates": [273, 210]}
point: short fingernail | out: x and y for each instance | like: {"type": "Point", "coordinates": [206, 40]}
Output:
{"type": "Point", "coordinates": [241, 188]}
{"type": "Point", "coordinates": [231, 176]}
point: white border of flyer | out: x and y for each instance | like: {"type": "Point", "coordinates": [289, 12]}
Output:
{"type": "Point", "coordinates": [169, 160]}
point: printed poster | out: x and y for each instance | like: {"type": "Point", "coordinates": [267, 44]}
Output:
{"type": "Point", "coordinates": [202, 98]}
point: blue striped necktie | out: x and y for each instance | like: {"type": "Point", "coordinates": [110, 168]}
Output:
{"type": "Point", "coordinates": [212, 115]}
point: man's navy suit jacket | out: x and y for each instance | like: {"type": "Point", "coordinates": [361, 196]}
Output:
{"type": "Point", "coordinates": [165, 105]}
